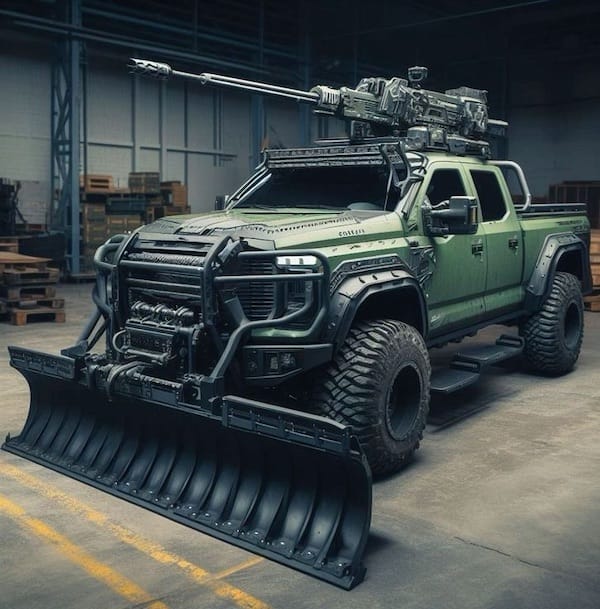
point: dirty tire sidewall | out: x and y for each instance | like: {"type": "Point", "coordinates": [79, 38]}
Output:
{"type": "Point", "coordinates": [379, 383]}
{"type": "Point", "coordinates": [554, 334]}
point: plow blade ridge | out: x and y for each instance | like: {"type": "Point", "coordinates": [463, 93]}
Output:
{"type": "Point", "coordinates": [290, 486]}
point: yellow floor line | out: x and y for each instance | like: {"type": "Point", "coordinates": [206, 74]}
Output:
{"type": "Point", "coordinates": [99, 570]}
{"type": "Point", "coordinates": [150, 548]}
{"type": "Point", "coordinates": [240, 567]}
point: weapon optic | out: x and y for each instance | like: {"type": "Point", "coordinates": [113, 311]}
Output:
{"type": "Point", "coordinates": [454, 120]}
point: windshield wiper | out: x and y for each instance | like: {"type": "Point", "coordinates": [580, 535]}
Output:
{"type": "Point", "coordinates": [319, 206]}
{"type": "Point", "coordinates": [255, 206]}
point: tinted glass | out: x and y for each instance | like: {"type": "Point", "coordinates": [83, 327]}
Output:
{"type": "Point", "coordinates": [445, 183]}
{"type": "Point", "coordinates": [326, 187]}
{"type": "Point", "coordinates": [491, 200]}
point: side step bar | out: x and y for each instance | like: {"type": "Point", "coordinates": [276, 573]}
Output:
{"type": "Point", "coordinates": [291, 486]}
{"type": "Point", "coordinates": [467, 365]}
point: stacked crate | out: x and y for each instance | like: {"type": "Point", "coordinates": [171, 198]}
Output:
{"type": "Point", "coordinates": [592, 302]}
{"type": "Point", "coordinates": [122, 223]}
{"type": "Point", "coordinates": [173, 200]}
{"type": "Point", "coordinates": [93, 234]}
{"type": "Point", "coordinates": [28, 290]}
{"type": "Point", "coordinates": [9, 244]}
{"type": "Point", "coordinates": [94, 189]}
{"type": "Point", "coordinates": [144, 182]}
{"type": "Point", "coordinates": [107, 211]}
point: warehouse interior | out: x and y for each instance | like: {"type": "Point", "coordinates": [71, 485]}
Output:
{"type": "Point", "coordinates": [500, 509]}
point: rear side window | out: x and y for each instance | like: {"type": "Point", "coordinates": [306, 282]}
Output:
{"type": "Point", "coordinates": [445, 183]}
{"type": "Point", "coordinates": [491, 200]}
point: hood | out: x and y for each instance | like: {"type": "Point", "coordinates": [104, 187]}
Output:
{"type": "Point", "coordinates": [284, 227]}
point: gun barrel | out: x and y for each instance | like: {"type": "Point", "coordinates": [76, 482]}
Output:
{"type": "Point", "coordinates": [164, 71]}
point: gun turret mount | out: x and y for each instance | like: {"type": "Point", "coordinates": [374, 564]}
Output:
{"type": "Point", "coordinates": [455, 120]}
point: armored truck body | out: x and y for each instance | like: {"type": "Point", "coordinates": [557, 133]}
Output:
{"type": "Point", "coordinates": [262, 359]}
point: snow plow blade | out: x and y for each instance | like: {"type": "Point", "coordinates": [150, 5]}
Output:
{"type": "Point", "coordinates": [290, 486]}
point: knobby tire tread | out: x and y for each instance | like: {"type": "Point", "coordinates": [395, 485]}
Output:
{"type": "Point", "coordinates": [352, 385]}
{"type": "Point", "coordinates": [545, 349]}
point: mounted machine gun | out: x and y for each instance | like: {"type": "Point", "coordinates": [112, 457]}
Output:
{"type": "Point", "coordinates": [399, 107]}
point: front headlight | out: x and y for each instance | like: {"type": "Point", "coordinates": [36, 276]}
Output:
{"type": "Point", "coordinates": [292, 263]}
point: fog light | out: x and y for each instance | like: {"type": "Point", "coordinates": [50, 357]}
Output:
{"type": "Point", "coordinates": [273, 363]}
{"type": "Point", "coordinates": [288, 361]}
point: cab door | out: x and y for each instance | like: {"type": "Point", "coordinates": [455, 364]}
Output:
{"type": "Point", "coordinates": [503, 241]}
{"type": "Point", "coordinates": [455, 290]}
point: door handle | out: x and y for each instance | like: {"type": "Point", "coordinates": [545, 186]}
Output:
{"type": "Point", "coordinates": [513, 243]}
{"type": "Point", "coordinates": [477, 249]}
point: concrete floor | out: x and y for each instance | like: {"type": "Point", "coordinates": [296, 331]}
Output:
{"type": "Point", "coordinates": [499, 510]}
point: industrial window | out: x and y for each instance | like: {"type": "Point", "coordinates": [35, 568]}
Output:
{"type": "Point", "coordinates": [445, 183]}
{"type": "Point", "coordinates": [491, 199]}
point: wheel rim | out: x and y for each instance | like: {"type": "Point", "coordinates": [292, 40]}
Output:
{"type": "Point", "coordinates": [403, 402]}
{"type": "Point", "coordinates": [572, 326]}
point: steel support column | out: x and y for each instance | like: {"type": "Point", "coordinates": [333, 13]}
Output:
{"type": "Point", "coordinates": [257, 105]}
{"type": "Point", "coordinates": [305, 58]}
{"type": "Point", "coordinates": [65, 137]}
{"type": "Point", "coordinates": [162, 134]}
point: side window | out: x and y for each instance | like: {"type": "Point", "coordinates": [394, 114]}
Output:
{"type": "Point", "coordinates": [445, 183]}
{"type": "Point", "coordinates": [514, 185]}
{"type": "Point", "coordinates": [491, 200]}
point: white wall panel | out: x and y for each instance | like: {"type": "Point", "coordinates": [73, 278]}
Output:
{"type": "Point", "coordinates": [25, 158]}
{"type": "Point", "coordinates": [110, 160]}
{"type": "Point", "coordinates": [554, 129]}
{"type": "Point", "coordinates": [109, 105]}
{"type": "Point", "coordinates": [558, 145]}
{"type": "Point", "coordinates": [175, 114]}
{"type": "Point", "coordinates": [200, 116]}
{"type": "Point", "coordinates": [147, 113]}
{"type": "Point", "coordinates": [148, 160]}
{"type": "Point", "coordinates": [283, 124]}
{"type": "Point", "coordinates": [175, 167]}
{"type": "Point", "coordinates": [25, 115]}
{"type": "Point", "coordinates": [236, 129]}
{"type": "Point", "coordinates": [205, 181]}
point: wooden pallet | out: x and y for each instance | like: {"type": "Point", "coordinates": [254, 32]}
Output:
{"type": "Point", "coordinates": [592, 302]}
{"type": "Point", "coordinates": [22, 292]}
{"type": "Point", "coordinates": [29, 276]}
{"type": "Point", "coordinates": [21, 317]}
{"type": "Point", "coordinates": [8, 245]}
{"type": "Point", "coordinates": [32, 303]}
{"type": "Point", "coordinates": [10, 260]}
{"type": "Point", "coordinates": [96, 183]}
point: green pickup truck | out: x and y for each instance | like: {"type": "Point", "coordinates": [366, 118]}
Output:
{"type": "Point", "coordinates": [261, 360]}
{"type": "Point", "coordinates": [408, 269]}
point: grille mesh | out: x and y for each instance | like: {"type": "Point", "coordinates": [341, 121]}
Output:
{"type": "Point", "coordinates": [257, 297]}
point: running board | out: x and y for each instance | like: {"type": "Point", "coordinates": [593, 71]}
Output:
{"type": "Point", "coordinates": [467, 365]}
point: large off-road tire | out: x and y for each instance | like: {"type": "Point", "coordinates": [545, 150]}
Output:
{"type": "Point", "coordinates": [379, 383]}
{"type": "Point", "coordinates": [553, 335]}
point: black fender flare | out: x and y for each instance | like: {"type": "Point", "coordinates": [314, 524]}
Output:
{"type": "Point", "coordinates": [554, 248]}
{"type": "Point", "coordinates": [355, 290]}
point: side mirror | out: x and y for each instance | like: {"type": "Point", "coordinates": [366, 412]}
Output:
{"type": "Point", "coordinates": [221, 202]}
{"type": "Point", "coordinates": [459, 218]}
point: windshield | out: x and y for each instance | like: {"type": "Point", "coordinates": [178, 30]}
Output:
{"type": "Point", "coordinates": [357, 187]}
